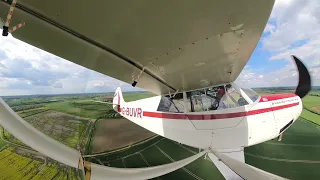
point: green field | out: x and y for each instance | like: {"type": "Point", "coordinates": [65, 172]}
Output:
{"type": "Point", "coordinates": [299, 143]}
{"type": "Point", "coordinates": [90, 110]}
{"type": "Point", "coordinates": [65, 128]}
{"type": "Point", "coordinates": [296, 157]}
{"type": "Point", "coordinates": [310, 116]}
{"type": "Point", "coordinates": [156, 152]}
{"type": "Point", "coordinates": [15, 166]}
{"type": "Point", "coordinates": [31, 112]}
{"type": "Point", "coordinates": [311, 101]}
{"type": "Point", "coordinates": [136, 96]}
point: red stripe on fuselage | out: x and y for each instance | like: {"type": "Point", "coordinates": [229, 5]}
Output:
{"type": "Point", "coordinates": [177, 116]}
{"type": "Point", "coordinates": [274, 97]}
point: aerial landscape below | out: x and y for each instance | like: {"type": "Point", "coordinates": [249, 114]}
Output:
{"type": "Point", "coordinates": [107, 139]}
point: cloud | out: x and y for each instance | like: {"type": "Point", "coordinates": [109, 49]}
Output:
{"type": "Point", "coordinates": [57, 85]}
{"type": "Point", "coordinates": [25, 69]}
{"type": "Point", "coordinates": [269, 28]}
{"type": "Point", "coordinates": [293, 21]}
{"type": "Point", "coordinates": [293, 29]}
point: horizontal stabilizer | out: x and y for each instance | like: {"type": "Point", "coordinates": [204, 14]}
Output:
{"type": "Point", "coordinates": [103, 102]}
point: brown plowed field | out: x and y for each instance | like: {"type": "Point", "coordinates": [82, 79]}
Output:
{"type": "Point", "coordinates": [317, 108]}
{"type": "Point", "coordinates": [116, 133]}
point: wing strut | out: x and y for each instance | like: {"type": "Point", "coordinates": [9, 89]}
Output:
{"type": "Point", "coordinates": [104, 172]}
{"type": "Point", "coordinates": [242, 169]}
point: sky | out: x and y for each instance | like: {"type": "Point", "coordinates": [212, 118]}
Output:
{"type": "Point", "coordinates": [292, 29]}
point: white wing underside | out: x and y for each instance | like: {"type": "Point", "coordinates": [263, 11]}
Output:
{"type": "Point", "coordinates": [182, 45]}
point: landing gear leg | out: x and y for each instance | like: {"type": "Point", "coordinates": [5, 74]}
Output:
{"type": "Point", "coordinates": [280, 137]}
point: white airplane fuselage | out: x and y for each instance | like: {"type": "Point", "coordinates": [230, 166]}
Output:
{"type": "Point", "coordinates": [231, 128]}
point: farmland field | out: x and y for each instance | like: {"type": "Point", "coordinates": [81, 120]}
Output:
{"type": "Point", "coordinates": [316, 108]}
{"type": "Point", "coordinates": [295, 157]}
{"type": "Point", "coordinates": [116, 133]}
{"type": "Point", "coordinates": [81, 108]}
{"type": "Point", "coordinates": [311, 101]}
{"type": "Point", "coordinates": [156, 152]}
{"type": "Point", "coordinates": [68, 129]}
{"type": "Point", "coordinates": [17, 164]}
{"type": "Point", "coordinates": [31, 112]}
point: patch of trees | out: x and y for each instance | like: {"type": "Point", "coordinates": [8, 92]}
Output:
{"type": "Point", "coordinates": [110, 113]}
{"type": "Point", "coordinates": [26, 107]}
{"type": "Point", "coordinates": [312, 94]}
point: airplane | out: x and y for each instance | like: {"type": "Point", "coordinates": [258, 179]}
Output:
{"type": "Point", "coordinates": [188, 53]}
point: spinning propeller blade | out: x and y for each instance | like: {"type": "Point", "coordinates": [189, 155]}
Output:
{"type": "Point", "coordinates": [304, 85]}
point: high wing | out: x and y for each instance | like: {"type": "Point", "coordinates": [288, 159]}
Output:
{"type": "Point", "coordinates": [180, 45]}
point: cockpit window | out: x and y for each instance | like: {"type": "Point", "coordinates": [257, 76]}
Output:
{"type": "Point", "coordinates": [219, 97]}
{"type": "Point", "coordinates": [251, 94]}
{"type": "Point", "coordinates": [168, 104]}
{"type": "Point", "coordinates": [232, 98]}
{"type": "Point", "coordinates": [207, 99]}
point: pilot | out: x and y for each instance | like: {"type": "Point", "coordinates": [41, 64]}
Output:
{"type": "Point", "coordinates": [222, 99]}
{"type": "Point", "coordinates": [221, 96]}
{"type": "Point", "coordinates": [220, 93]}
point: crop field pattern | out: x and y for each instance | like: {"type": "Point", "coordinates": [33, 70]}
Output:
{"type": "Point", "coordinates": [158, 151]}
{"type": "Point", "coordinates": [65, 128]}
{"type": "Point", "coordinates": [16, 166]}
{"type": "Point", "coordinates": [116, 133]}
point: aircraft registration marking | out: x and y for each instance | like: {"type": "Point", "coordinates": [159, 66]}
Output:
{"type": "Point", "coordinates": [133, 112]}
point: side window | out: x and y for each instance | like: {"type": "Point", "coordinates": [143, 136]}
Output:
{"type": "Point", "coordinates": [177, 104]}
{"type": "Point", "coordinates": [231, 99]}
{"type": "Point", "coordinates": [171, 105]}
{"type": "Point", "coordinates": [218, 97]}
{"type": "Point", "coordinates": [206, 99]}
{"type": "Point", "coordinates": [251, 94]}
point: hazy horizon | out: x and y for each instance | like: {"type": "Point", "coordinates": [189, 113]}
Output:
{"type": "Point", "coordinates": [137, 91]}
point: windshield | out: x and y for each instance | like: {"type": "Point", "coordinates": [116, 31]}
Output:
{"type": "Point", "coordinates": [251, 94]}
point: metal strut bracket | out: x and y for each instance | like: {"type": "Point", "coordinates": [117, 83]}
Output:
{"type": "Point", "coordinates": [135, 81]}
{"type": "Point", "coordinates": [6, 29]}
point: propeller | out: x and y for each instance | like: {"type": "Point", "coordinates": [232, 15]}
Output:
{"type": "Point", "coordinates": [304, 85]}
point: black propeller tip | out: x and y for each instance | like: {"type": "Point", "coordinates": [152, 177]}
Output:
{"type": "Point", "coordinates": [304, 85]}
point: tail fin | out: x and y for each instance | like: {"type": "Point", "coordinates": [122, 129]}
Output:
{"type": "Point", "coordinates": [118, 99]}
